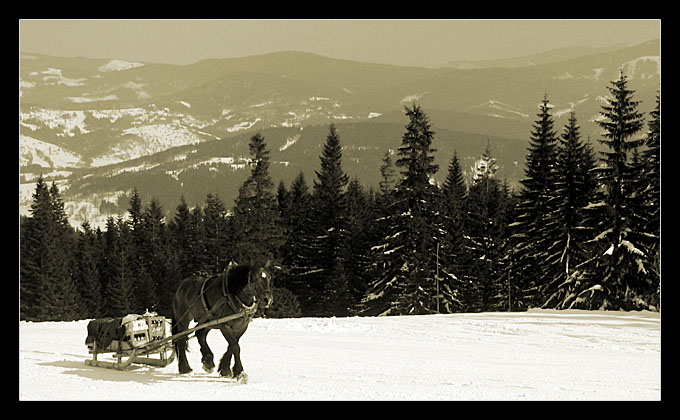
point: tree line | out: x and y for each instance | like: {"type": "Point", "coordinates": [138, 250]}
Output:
{"type": "Point", "coordinates": [582, 231]}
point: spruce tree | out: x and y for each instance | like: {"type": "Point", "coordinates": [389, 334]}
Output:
{"type": "Point", "coordinates": [217, 235]}
{"type": "Point", "coordinates": [652, 192]}
{"type": "Point", "coordinates": [626, 264]}
{"type": "Point", "coordinates": [47, 287]}
{"type": "Point", "coordinates": [298, 250]}
{"type": "Point", "coordinates": [198, 249]}
{"type": "Point", "coordinates": [157, 293]}
{"type": "Point", "coordinates": [143, 290]}
{"type": "Point", "coordinates": [35, 253]}
{"type": "Point", "coordinates": [408, 250]}
{"type": "Point", "coordinates": [486, 220]}
{"type": "Point", "coordinates": [387, 175]}
{"type": "Point", "coordinates": [452, 256]}
{"type": "Point", "coordinates": [535, 225]}
{"type": "Point", "coordinates": [620, 275]}
{"type": "Point", "coordinates": [86, 274]}
{"type": "Point", "coordinates": [328, 200]}
{"type": "Point", "coordinates": [357, 241]}
{"type": "Point", "coordinates": [117, 276]}
{"type": "Point", "coordinates": [182, 239]}
{"type": "Point", "coordinates": [258, 232]}
{"type": "Point", "coordinates": [576, 188]}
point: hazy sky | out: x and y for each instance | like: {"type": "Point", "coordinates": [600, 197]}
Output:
{"type": "Point", "coordinates": [427, 43]}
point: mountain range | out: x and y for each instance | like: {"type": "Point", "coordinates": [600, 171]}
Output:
{"type": "Point", "coordinates": [99, 127]}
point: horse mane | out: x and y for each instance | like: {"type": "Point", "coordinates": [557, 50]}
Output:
{"type": "Point", "coordinates": [237, 278]}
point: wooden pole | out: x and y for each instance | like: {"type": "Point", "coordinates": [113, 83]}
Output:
{"type": "Point", "coordinates": [437, 277]}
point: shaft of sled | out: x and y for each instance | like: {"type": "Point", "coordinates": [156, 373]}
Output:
{"type": "Point", "coordinates": [156, 344]}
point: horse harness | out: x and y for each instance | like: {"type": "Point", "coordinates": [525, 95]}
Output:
{"type": "Point", "coordinates": [234, 302]}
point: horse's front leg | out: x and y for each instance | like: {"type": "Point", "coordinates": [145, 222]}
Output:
{"type": "Point", "coordinates": [233, 349]}
{"type": "Point", "coordinates": [207, 355]}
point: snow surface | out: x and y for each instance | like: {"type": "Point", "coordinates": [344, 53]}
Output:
{"type": "Point", "coordinates": [535, 355]}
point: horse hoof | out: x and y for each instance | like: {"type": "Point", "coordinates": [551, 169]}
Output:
{"type": "Point", "coordinates": [185, 371]}
{"type": "Point", "coordinates": [226, 373]}
{"type": "Point", "coordinates": [208, 367]}
{"type": "Point", "coordinates": [242, 378]}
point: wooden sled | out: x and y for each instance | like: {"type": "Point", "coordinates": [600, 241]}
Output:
{"type": "Point", "coordinates": [145, 336]}
{"type": "Point", "coordinates": [125, 358]}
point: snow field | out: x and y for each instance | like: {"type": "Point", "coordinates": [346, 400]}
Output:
{"type": "Point", "coordinates": [536, 355]}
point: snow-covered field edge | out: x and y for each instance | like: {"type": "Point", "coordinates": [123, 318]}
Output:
{"type": "Point", "coordinates": [535, 355]}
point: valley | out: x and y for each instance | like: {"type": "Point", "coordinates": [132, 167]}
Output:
{"type": "Point", "coordinates": [100, 127]}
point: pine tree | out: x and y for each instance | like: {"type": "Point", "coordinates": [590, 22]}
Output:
{"type": "Point", "coordinates": [620, 275]}
{"type": "Point", "coordinates": [200, 258]}
{"type": "Point", "coordinates": [357, 242]}
{"type": "Point", "coordinates": [408, 250]}
{"type": "Point", "coordinates": [652, 192]}
{"type": "Point", "coordinates": [47, 288]}
{"type": "Point", "coordinates": [36, 253]}
{"type": "Point", "coordinates": [298, 249]}
{"type": "Point", "coordinates": [485, 226]}
{"type": "Point", "coordinates": [137, 263]}
{"type": "Point", "coordinates": [217, 235]}
{"type": "Point", "coordinates": [158, 296]}
{"type": "Point", "coordinates": [329, 282]}
{"type": "Point", "coordinates": [181, 237]}
{"type": "Point", "coordinates": [576, 187]}
{"type": "Point", "coordinates": [535, 227]}
{"type": "Point", "coordinates": [452, 256]}
{"type": "Point", "coordinates": [387, 174]}
{"type": "Point", "coordinates": [86, 275]}
{"type": "Point", "coordinates": [258, 231]}
{"type": "Point", "coordinates": [116, 273]}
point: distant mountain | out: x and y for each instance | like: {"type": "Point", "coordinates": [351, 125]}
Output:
{"type": "Point", "coordinates": [547, 57]}
{"type": "Point", "coordinates": [100, 127]}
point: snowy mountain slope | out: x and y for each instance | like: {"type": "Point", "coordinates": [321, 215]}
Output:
{"type": "Point", "coordinates": [109, 112]}
{"type": "Point", "coordinates": [535, 355]}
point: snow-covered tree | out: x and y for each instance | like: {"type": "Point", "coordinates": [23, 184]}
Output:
{"type": "Point", "coordinates": [407, 284]}
{"type": "Point", "coordinates": [576, 187]}
{"type": "Point", "coordinates": [535, 224]}
{"type": "Point", "coordinates": [329, 218]}
{"type": "Point", "coordinates": [258, 234]}
{"type": "Point", "coordinates": [620, 274]}
{"type": "Point", "coordinates": [486, 209]}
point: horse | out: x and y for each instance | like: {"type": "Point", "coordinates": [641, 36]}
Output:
{"type": "Point", "coordinates": [205, 298]}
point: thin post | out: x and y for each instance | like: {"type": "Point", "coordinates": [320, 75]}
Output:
{"type": "Point", "coordinates": [509, 300]}
{"type": "Point", "coordinates": [437, 277]}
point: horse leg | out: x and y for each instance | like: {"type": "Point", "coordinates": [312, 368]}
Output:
{"type": "Point", "coordinates": [234, 350]}
{"type": "Point", "coordinates": [207, 359]}
{"type": "Point", "coordinates": [181, 347]}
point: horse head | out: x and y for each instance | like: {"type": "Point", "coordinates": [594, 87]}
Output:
{"type": "Point", "coordinates": [254, 285]}
{"type": "Point", "coordinates": [260, 280]}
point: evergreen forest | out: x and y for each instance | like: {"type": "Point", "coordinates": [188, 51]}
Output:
{"type": "Point", "coordinates": [582, 231]}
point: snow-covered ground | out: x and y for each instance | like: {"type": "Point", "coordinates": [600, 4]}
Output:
{"type": "Point", "coordinates": [535, 355]}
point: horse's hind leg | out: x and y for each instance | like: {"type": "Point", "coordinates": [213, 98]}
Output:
{"type": "Point", "coordinates": [181, 346]}
{"type": "Point", "coordinates": [207, 359]}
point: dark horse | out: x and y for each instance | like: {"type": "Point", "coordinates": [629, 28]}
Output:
{"type": "Point", "coordinates": [238, 290]}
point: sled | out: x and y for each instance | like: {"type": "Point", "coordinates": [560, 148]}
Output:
{"type": "Point", "coordinates": [140, 337]}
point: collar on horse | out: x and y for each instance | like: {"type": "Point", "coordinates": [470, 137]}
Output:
{"type": "Point", "coordinates": [234, 302]}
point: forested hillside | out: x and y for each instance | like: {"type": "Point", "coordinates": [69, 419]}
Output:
{"type": "Point", "coordinates": [581, 231]}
